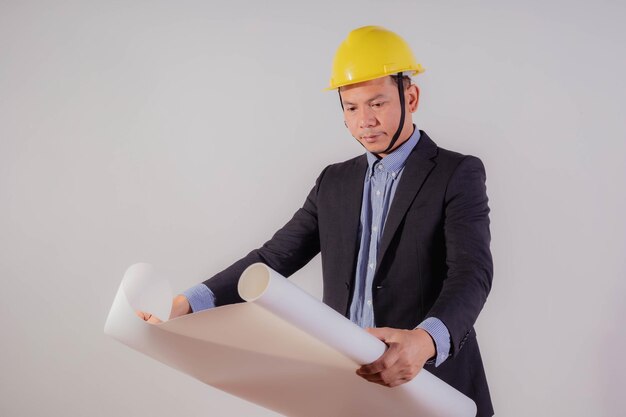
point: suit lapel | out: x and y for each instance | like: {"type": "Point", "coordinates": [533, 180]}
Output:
{"type": "Point", "coordinates": [417, 168]}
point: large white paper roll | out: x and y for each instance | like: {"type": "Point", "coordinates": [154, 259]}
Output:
{"type": "Point", "coordinates": [285, 351]}
{"type": "Point", "coordinates": [262, 285]}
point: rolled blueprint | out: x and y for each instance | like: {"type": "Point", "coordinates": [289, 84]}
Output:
{"type": "Point", "coordinates": [284, 351]}
{"type": "Point", "coordinates": [262, 285]}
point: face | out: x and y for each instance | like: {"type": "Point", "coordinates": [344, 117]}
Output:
{"type": "Point", "coordinates": [372, 113]}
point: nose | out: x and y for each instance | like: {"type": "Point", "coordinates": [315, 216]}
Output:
{"type": "Point", "coordinates": [366, 117]}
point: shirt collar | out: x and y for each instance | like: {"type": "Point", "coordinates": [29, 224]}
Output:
{"type": "Point", "coordinates": [394, 162]}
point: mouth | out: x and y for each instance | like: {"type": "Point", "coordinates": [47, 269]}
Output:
{"type": "Point", "coordinates": [370, 137]}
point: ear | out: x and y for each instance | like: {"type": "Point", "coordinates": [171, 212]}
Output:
{"type": "Point", "coordinates": [412, 97]}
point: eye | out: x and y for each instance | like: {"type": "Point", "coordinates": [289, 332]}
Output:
{"type": "Point", "coordinates": [350, 109]}
{"type": "Point", "coordinates": [377, 104]}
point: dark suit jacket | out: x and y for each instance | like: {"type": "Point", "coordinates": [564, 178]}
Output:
{"type": "Point", "coordinates": [433, 260]}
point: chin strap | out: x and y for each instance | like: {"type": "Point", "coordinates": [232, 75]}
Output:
{"type": "Point", "coordinates": [340, 100]}
{"type": "Point", "coordinates": [400, 82]}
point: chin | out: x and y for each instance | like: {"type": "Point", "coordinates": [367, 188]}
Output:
{"type": "Point", "coordinates": [375, 147]}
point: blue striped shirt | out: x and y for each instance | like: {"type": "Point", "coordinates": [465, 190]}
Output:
{"type": "Point", "coordinates": [381, 180]}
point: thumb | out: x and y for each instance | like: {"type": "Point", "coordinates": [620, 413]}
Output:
{"type": "Point", "coordinates": [381, 333]}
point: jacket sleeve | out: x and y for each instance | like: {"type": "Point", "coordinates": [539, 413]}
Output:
{"type": "Point", "coordinates": [291, 247]}
{"type": "Point", "coordinates": [468, 257]}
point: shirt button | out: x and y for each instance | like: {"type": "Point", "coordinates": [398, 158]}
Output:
{"type": "Point", "coordinates": [393, 174]}
{"type": "Point", "coordinates": [380, 167]}
{"type": "Point", "coordinates": [372, 265]}
{"type": "Point", "coordinates": [377, 192]}
{"type": "Point", "coordinates": [375, 228]}
{"type": "Point", "coordinates": [369, 303]}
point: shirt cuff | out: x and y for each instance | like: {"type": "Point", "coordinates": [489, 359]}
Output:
{"type": "Point", "coordinates": [440, 334]}
{"type": "Point", "coordinates": [200, 297]}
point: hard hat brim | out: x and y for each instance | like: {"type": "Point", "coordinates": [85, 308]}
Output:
{"type": "Point", "coordinates": [409, 71]}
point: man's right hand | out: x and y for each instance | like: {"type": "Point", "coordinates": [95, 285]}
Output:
{"type": "Point", "coordinates": [180, 307]}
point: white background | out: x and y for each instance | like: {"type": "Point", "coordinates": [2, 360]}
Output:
{"type": "Point", "coordinates": [184, 133]}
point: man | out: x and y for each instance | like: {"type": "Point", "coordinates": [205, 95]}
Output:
{"type": "Point", "coordinates": [403, 230]}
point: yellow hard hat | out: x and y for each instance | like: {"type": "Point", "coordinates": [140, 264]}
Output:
{"type": "Point", "coordinates": [371, 52]}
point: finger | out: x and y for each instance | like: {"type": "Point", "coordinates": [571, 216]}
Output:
{"type": "Point", "coordinates": [387, 378]}
{"type": "Point", "coordinates": [148, 317]}
{"type": "Point", "coordinates": [375, 378]}
{"type": "Point", "coordinates": [386, 361]}
{"type": "Point", "coordinates": [393, 375]}
{"type": "Point", "coordinates": [382, 333]}
{"type": "Point", "coordinates": [401, 372]}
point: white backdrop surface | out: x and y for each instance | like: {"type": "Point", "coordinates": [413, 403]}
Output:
{"type": "Point", "coordinates": [185, 133]}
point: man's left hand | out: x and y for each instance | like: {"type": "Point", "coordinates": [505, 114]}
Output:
{"type": "Point", "coordinates": [407, 353]}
